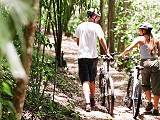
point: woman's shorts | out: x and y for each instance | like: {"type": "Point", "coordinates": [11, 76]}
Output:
{"type": "Point", "coordinates": [87, 69]}
{"type": "Point", "coordinates": [150, 79]}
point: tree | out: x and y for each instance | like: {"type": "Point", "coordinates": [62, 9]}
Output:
{"type": "Point", "coordinates": [124, 16]}
{"type": "Point", "coordinates": [102, 22]}
{"type": "Point", "coordinates": [110, 27]}
{"type": "Point", "coordinates": [17, 14]}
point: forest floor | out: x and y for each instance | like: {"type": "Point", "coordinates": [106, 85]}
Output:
{"type": "Point", "coordinates": [121, 112]}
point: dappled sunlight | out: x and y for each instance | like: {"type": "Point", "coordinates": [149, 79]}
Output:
{"type": "Point", "coordinates": [93, 115]}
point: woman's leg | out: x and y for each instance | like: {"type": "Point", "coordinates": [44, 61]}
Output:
{"type": "Point", "coordinates": [155, 81]}
{"type": "Point", "coordinates": [156, 101]}
{"type": "Point", "coordinates": [148, 95]}
{"type": "Point", "coordinates": [146, 85]}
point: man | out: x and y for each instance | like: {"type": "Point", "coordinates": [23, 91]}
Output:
{"type": "Point", "coordinates": [87, 34]}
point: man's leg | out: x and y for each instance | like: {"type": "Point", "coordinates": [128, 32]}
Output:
{"type": "Point", "coordinates": [86, 91]}
{"type": "Point", "coordinates": [92, 74]}
{"type": "Point", "coordinates": [92, 88]}
{"type": "Point", "coordinates": [92, 91]}
{"type": "Point", "coordinates": [84, 77]}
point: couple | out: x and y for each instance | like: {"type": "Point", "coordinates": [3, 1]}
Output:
{"type": "Point", "coordinates": [87, 34]}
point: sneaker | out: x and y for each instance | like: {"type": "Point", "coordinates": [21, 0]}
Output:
{"type": "Point", "coordinates": [88, 107]}
{"type": "Point", "coordinates": [155, 112]}
{"type": "Point", "coordinates": [149, 106]}
{"type": "Point", "coordinates": [92, 102]}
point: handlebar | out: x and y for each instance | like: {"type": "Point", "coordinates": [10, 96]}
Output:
{"type": "Point", "coordinates": [139, 67]}
{"type": "Point", "coordinates": [108, 57]}
{"type": "Point", "coordinates": [133, 58]}
{"type": "Point", "coordinates": [127, 58]}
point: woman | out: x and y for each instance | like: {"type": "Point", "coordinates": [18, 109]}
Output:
{"type": "Point", "coordinates": [148, 52]}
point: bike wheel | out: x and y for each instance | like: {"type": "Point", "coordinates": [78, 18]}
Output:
{"type": "Point", "coordinates": [128, 97]}
{"type": "Point", "coordinates": [136, 100]}
{"type": "Point", "coordinates": [102, 89]}
{"type": "Point", "coordinates": [110, 96]}
{"type": "Point", "coordinates": [101, 76]}
{"type": "Point", "coordinates": [103, 96]}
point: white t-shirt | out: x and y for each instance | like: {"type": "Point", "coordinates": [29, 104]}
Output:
{"type": "Point", "coordinates": [87, 32]}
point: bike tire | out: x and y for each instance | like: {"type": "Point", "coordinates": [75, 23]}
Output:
{"type": "Point", "coordinates": [102, 89]}
{"type": "Point", "coordinates": [110, 96]}
{"type": "Point", "coordinates": [101, 75]}
{"type": "Point", "coordinates": [128, 97]}
{"type": "Point", "coordinates": [137, 100]}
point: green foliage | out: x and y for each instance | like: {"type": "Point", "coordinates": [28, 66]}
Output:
{"type": "Point", "coordinates": [7, 110]}
{"type": "Point", "coordinates": [127, 65]}
{"type": "Point", "coordinates": [73, 23]}
{"type": "Point", "coordinates": [129, 15]}
{"type": "Point", "coordinates": [6, 89]}
{"type": "Point", "coordinates": [81, 15]}
{"type": "Point", "coordinates": [146, 12]}
{"type": "Point", "coordinates": [13, 15]}
{"type": "Point", "coordinates": [42, 106]}
{"type": "Point", "coordinates": [56, 111]}
{"type": "Point", "coordinates": [44, 73]}
{"type": "Point", "coordinates": [52, 110]}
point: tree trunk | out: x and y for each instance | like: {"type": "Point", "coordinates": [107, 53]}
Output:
{"type": "Point", "coordinates": [102, 23]}
{"type": "Point", "coordinates": [57, 9]}
{"type": "Point", "coordinates": [111, 15]}
{"type": "Point", "coordinates": [122, 13]}
{"type": "Point", "coordinates": [68, 9]}
{"type": "Point", "coordinates": [21, 84]}
{"type": "Point", "coordinates": [48, 20]}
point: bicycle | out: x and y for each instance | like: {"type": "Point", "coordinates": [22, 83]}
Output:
{"type": "Point", "coordinates": [134, 90]}
{"type": "Point", "coordinates": [106, 84]}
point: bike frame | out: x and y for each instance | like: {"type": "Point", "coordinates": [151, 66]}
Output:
{"type": "Point", "coordinates": [136, 81]}
{"type": "Point", "coordinates": [105, 69]}
{"type": "Point", "coordinates": [136, 90]}
{"type": "Point", "coordinates": [107, 84]}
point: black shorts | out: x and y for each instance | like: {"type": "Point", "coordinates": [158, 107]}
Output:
{"type": "Point", "coordinates": [87, 69]}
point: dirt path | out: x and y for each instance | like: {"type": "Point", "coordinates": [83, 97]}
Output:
{"type": "Point", "coordinates": [70, 48]}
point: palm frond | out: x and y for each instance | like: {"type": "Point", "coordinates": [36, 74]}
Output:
{"type": "Point", "coordinates": [20, 11]}
{"type": "Point", "coordinates": [13, 15]}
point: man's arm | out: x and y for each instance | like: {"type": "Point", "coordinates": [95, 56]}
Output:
{"type": "Point", "coordinates": [104, 45]}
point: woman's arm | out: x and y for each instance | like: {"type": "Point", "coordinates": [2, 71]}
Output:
{"type": "Point", "coordinates": [132, 45]}
{"type": "Point", "coordinates": [158, 47]}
